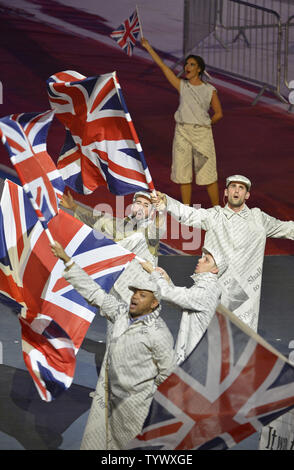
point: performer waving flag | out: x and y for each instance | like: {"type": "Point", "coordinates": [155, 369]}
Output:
{"type": "Point", "coordinates": [101, 147]}
{"type": "Point", "coordinates": [126, 34]}
{"type": "Point", "coordinates": [24, 136]}
{"type": "Point", "coordinates": [54, 318]}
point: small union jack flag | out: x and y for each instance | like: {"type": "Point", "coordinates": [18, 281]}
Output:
{"type": "Point", "coordinates": [126, 34]}
{"type": "Point", "coordinates": [230, 386]}
{"type": "Point", "coordinates": [24, 136]}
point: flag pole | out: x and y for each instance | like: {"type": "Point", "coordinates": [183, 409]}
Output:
{"type": "Point", "coordinates": [38, 213]}
{"type": "Point", "coordinates": [51, 239]}
{"type": "Point", "coordinates": [208, 75]}
{"type": "Point", "coordinates": [141, 31]}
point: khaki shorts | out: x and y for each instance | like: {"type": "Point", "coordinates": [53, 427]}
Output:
{"type": "Point", "coordinates": [193, 144]}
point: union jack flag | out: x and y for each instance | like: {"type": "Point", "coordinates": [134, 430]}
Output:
{"type": "Point", "coordinates": [126, 34]}
{"type": "Point", "coordinates": [24, 136]}
{"type": "Point", "coordinates": [101, 146]}
{"type": "Point", "coordinates": [229, 387]}
{"type": "Point", "coordinates": [54, 318]}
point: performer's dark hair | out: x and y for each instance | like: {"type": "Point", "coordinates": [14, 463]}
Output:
{"type": "Point", "coordinates": [199, 61]}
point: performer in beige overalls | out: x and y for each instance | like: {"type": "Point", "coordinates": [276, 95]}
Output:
{"type": "Point", "coordinates": [193, 140]}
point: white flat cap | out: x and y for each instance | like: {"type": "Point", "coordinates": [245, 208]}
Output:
{"type": "Point", "coordinates": [145, 284]}
{"type": "Point", "coordinates": [239, 179]}
{"type": "Point", "coordinates": [220, 261]}
{"type": "Point", "coordinates": [143, 194]}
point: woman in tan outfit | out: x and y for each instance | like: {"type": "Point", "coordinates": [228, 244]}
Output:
{"type": "Point", "coordinates": [193, 140]}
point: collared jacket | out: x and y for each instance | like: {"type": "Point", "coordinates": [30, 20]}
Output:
{"type": "Point", "coordinates": [139, 356]}
{"type": "Point", "coordinates": [240, 237]}
{"type": "Point", "coordinates": [199, 304]}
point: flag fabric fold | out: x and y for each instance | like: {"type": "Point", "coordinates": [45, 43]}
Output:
{"type": "Point", "coordinates": [54, 318]}
{"type": "Point", "coordinates": [24, 136]}
{"type": "Point", "coordinates": [127, 33]}
{"type": "Point", "coordinates": [101, 146]}
{"type": "Point", "coordinates": [231, 385]}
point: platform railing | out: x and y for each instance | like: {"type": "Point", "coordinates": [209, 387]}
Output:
{"type": "Point", "coordinates": [237, 38]}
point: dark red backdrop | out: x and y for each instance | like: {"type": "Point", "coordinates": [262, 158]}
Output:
{"type": "Point", "coordinates": [255, 141]}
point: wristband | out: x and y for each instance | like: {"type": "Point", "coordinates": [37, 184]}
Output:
{"type": "Point", "coordinates": [68, 263]}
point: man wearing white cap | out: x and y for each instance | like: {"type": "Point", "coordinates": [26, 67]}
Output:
{"type": "Point", "coordinates": [138, 358]}
{"type": "Point", "coordinates": [139, 232]}
{"type": "Point", "coordinates": [240, 234]}
{"type": "Point", "coordinates": [142, 219]}
{"type": "Point", "coordinates": [198, 302]}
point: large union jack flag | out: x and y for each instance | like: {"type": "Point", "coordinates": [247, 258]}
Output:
{"type": "Point", "coordinates": [24, 136]}
{"type": "Point", "coordinates": [101, 146]}
{"type": "Point", "coordinates": [229, 387]}
{"type": "Point", "coordinates": [126, 34]}
{"type": "Point", "coordinates": [54, 318]}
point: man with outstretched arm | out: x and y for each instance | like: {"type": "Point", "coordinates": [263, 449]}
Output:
{"type": "Point", "coordinates": [139, 357]}
{"type": "Point", "coordinates": [143, 218]}
{"type": "Point", "coordinates": [139, 232]}
{"type": "Point", "coordinates": [239, 234]}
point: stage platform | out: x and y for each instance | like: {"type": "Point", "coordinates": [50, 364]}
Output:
{"type": "Point", "coordinates": [26, 422]}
